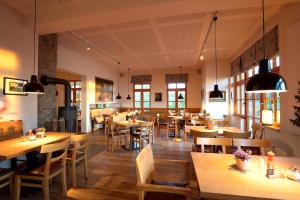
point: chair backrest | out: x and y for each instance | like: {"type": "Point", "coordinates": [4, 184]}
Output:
{"type": "Point", "coordinates": [144, 164]}
{"type": "Point", "coordinates": [11, 129]}
{"type": "Point", "coordinates": [214, 141]}
{"type": "Point", "coordinates": [49, 149]}
{"type": "Point", "coordinates": [257, 128]}
{"type": "Point", "coordinates": [205, 134]}
{"type": "Point", "coordinates": [109, 126]}
{"type": "Point", "coordinates": [80, 144]}
{"type": "Point", "coordinates": [146, 124]}
{"type": "Point", "coordinates": [229, 134]}
{"type": "Point", "coordinates": [262, 144]}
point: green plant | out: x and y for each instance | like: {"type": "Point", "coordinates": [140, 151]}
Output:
{"type": "Point", "coordinates": [296, 121]}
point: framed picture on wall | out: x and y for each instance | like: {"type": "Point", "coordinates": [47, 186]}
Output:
{"type": "Point", "coordinates": [104, 90]}
{"type": "Point", "coordinates": [158, 97]}
{"type": "Point", "coordinates": [218, 99]}
{"type": "Point", "coordinates": [13, 86]}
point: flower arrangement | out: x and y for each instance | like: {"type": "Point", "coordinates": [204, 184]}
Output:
{"type": "Point", "coordinates": [243, 155]}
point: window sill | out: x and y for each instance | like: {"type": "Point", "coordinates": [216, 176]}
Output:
{"type": "Point", "coordinates": [277, 128]}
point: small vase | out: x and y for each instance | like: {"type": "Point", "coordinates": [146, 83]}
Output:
{"type": "Point", "coordinates": [242, 164]}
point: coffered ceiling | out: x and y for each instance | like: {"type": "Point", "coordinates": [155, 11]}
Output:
{"type": "Point", "coordinates": [148, 34]}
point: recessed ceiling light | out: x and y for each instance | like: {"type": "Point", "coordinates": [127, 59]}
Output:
{"type": "Point", "coordinates": [88, 48]}
{"type": "Point", "coordinates": [201, 57]}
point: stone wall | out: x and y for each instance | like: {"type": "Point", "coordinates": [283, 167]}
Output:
{"type": "Point", "coordinates": [47, 62]}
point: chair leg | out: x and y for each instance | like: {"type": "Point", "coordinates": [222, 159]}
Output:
{"type": "Point", "coordinates": [17, 188]}
{"type": "Point", "coordinates": [86, 167]}
{"type": "Point", "coordinates": [74, 180]}
{"type": "Point", "coordinates": [141, 195]}
{"type": "Point", "coordinates": [188, 197]}
{"type": "Point", "coordinates": [46, 189]}
{"type": "Point", "coordinates": [11, 186]}
{"type": "Point", "coordinates": [64, 182]}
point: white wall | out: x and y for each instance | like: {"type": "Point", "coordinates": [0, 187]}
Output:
{"type": "Point", "coordinates": [16, 61]}
{"type": "Point", "coordinates": [89, 69]}
{"type": "Point", "coordinates": [287, 140]}
{"type": "Point", "coordinates": [216, 109]}
{"type": "Point", "coordinates": [158, 85]}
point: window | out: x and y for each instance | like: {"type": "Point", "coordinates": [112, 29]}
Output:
{"type": "Point", "coordinates": [250, 106]}
{"type": "Point", "coordinates": [174, 90]}
{"type": "Point", "coordinates": [141, 96]}
{"type": "Point", "coordinates": [76, 93]}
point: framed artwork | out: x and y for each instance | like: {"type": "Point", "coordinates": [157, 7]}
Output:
{"type": "Point", "coordinates": [13, 86]}
{"type": "Point", "coordinates": [158, 97]}
{"type": "Point", "coordinates": [104, 90]}
{"type": "Point", "coordinates": [218, 100]}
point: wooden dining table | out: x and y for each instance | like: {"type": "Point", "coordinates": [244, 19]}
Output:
{"type": "Point", "coordinates": [219, 129]}
{"type": "Point", "coordinates": [219, 179]}
{"type": "Point", "coordinates": [11, 148]}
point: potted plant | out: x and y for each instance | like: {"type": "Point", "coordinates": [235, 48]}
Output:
{"type": "Point", "coordinates": [242, 159]}
{"type": "Point", "coordinates": [40, 132]}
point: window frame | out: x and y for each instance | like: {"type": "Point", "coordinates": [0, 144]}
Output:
{"type": "Point", "coordinates": [177, 90]}
{"type": "Point", "coordinates": [142, 90]}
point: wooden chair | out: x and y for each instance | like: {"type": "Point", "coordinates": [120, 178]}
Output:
{"type": "Point", "coordinates": [161, 123]}
{"type": "Point", "coordinates": [7, 178]}
{"type": "Point", "coordinates": [229, 134]}
{"type": "Point", "coordinates": [55, 165]}
{"type": "Point", "coordinates": [78, 153]}
{"type": "Point", "coordinates": [146, 183]}
{"type": "Point", "coordinates": [258, 131]}
{"type": "Point", "coordinates": [200, 134]}
{"type": "Point", "coordinates": [114, 133]}
{"type": "Point", "coordinates": [224, 142]}
{"type": "Point", "coordinates": [172, 126]}
{"type": "Point", "coordinates": [262, 144]}
{"type": "Point", "coordinates": [144, 131]}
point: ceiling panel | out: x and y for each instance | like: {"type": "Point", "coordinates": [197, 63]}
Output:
{"type": "Point", "coordinates": [184, 37]}
{"type": "Point", "coordinates": [182, 58]}
{"type": "Point", "coordinates": [180, 18]}
{"type": "Point", "coordinates": [129, 61]}
{"type": "Point", "coordinates": [108, 44]}
{"type": "Point", "coordinates": [129, 25]}
{"type": "Point", "coordinates": [139, 41]}
{"type": "Point", "coordinates": [158, 59]}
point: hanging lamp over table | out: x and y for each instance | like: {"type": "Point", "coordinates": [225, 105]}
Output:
{"type": "Point", "coordinates": [265, 81]}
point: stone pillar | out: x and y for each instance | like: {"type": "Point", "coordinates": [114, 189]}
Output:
{"type": "Point", "coordinates": [47, 62]}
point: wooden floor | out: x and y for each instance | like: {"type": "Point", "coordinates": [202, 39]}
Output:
{"type": "Point", "coordinates": [112, 176]}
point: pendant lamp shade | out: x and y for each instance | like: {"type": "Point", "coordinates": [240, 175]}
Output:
{"type": "Point", "coordinates": [265, 81]}
{"type": "Point", "coordinates": [34, 87]}
{"type": "Point", "coordinates": [128, 97]}
{"type": "Point", "coordinates": [180, 96]}
{"type": "Point", "coordinates": [216, 93]}
{"type": "Point", "coordinates": [118, 96]}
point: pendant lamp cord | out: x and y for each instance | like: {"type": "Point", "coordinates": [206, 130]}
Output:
{"type": "Point", "coordinates": [34, 30]}
{"type": "Point", "coordinates": [216, 57]}
{"type": "Point", "coordinates": [118, 77]}
{"type": "Point", "coordinates": [128, 81]}
{"type": "Point", "coordinates": [263, 18]}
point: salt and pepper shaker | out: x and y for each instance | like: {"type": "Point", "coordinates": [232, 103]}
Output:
{"type": "Point", "coordinates": [270, 167]}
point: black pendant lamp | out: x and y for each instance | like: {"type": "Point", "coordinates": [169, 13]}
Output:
{"type": "Point", "coordinates": [128, 97]}
{"type": "Point", "coordinates": [265, 81]}
{"type": "Point", "coordinates": [180, 97]}
{"type": "Point", "coordinates": [216, 93]}
{"type": "Point", "coordinates": [119, 96]}
{"type": "Point", "coordinates": [33, 87]}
